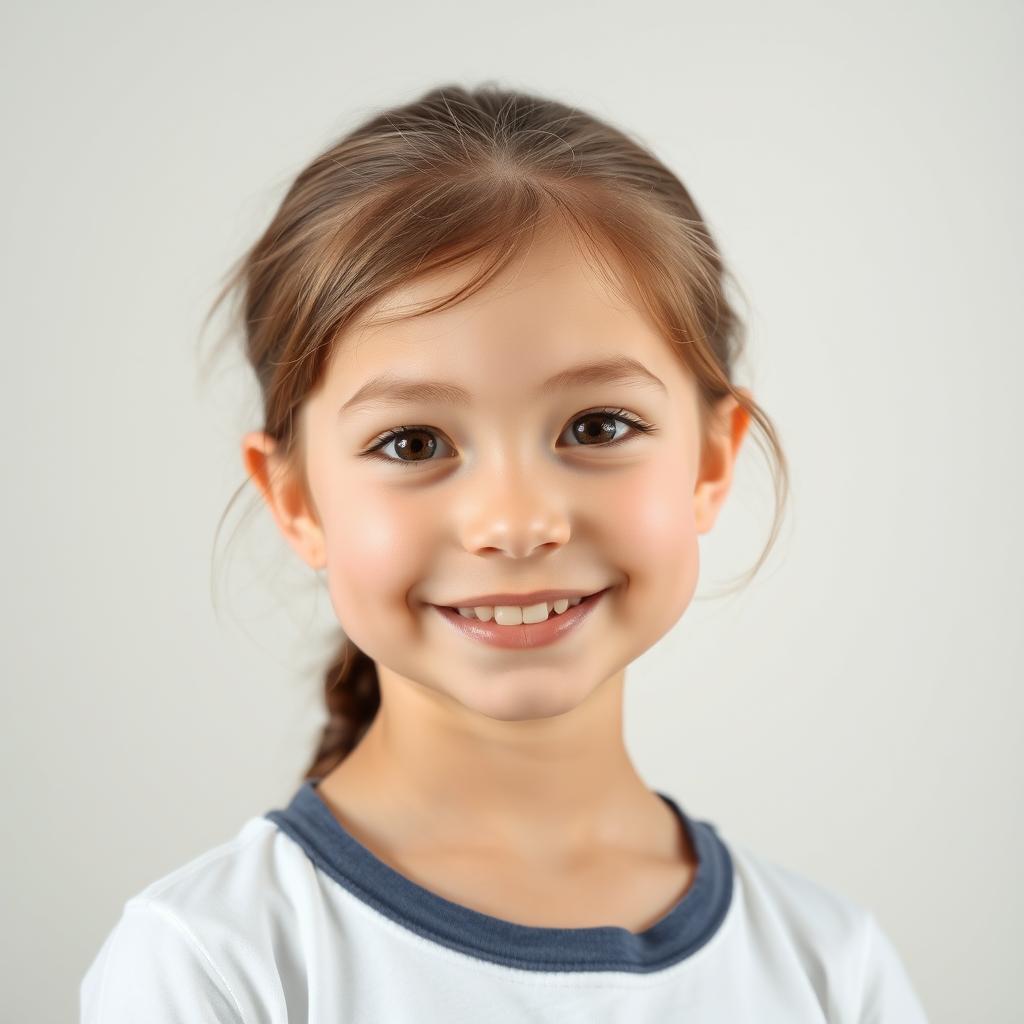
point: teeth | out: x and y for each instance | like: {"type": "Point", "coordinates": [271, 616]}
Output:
{"type": "Point", "coordinates": [517, 615]}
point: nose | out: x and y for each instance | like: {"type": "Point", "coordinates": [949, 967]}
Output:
{"type": "Point", "coordinates": [516, 509]}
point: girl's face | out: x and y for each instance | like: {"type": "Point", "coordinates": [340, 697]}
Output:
{"type": "Point", "coordinates": [499, 492]}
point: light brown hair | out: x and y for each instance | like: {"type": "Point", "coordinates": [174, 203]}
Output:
{"type": "Point", "coordinates": [456, 175]}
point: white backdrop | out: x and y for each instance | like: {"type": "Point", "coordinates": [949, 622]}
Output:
{"type": "Point", "coordinates": [854, 714]}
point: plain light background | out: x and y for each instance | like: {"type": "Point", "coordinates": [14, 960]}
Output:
{"type": "Point", "coordinates": [854, 714]}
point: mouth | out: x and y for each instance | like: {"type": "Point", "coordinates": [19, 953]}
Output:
{"type": "Point", "coordinates": [555, 607]}
{"type": "Point", "coordinates": [519, 635]}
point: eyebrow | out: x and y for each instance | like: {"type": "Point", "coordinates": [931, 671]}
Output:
{"type": "Point", "coordinates": [389, 388]}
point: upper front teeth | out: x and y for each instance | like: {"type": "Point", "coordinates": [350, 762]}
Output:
{"type": "Point", "coordinates": [516, 615]}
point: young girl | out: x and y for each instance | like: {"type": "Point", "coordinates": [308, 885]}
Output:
{"type": "Point", "coordinates": [496, 361]}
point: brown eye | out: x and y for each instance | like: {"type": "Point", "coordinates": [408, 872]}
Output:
{"type": "Point", "coordinates": [595, 427]}
{"type": "Point", "coordinates": [416, 443]}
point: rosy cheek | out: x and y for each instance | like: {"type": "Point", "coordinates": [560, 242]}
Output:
{"type": "Point", "coordinates": [374, 545]}
{"type": "Point", "coordinates": [654, 512]}
{"type": "Point", "coordinates": [654, 542]}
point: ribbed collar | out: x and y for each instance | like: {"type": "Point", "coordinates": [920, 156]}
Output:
{"type": "Point", "coordinates": [678, 934]}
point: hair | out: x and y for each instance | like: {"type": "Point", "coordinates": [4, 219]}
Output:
{"type": "Point", "coordinates": [453, 176]}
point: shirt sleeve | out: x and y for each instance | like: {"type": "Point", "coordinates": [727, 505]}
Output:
{"type": "Point", "coordinates": [152, 968]}
{"type": "Point", "coordinates": [887, 995]}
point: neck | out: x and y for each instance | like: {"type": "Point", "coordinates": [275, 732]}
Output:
{"type": "Point", "coordinates": [542, 788]}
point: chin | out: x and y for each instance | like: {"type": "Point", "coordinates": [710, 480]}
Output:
{"type": "Point", "coordinates": [518, 701]}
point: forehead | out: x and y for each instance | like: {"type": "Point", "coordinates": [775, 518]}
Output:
{"type": "Point", "coordinates": [550, 307]}
{"type": "Point", "coordinates": [550, 261]}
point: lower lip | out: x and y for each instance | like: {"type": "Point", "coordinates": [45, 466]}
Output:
{"type": "Point", "coordinates": [532, 634]}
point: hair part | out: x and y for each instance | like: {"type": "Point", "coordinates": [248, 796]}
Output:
{"type": "Point", "coordinates": [468, 177]}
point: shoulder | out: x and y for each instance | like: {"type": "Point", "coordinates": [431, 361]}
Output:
{"type": "Point", "coordinates": [236, 877]}
{"type": "Point", "coordinates": [197, 943]}
{"type": "Point", "coordinates": [783, 899]}
{"type": "Point", "coordinates": [835, 941]}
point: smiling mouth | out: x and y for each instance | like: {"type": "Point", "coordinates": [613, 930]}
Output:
{"type": "Point", "coordinates": [514, 634]}
{"type": "Point", "coordinates": [511, 615]}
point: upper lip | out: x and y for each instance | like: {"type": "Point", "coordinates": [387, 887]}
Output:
{"type": "Point", "coordinates": [535, 597]}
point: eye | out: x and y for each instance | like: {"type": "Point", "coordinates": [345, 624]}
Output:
{"type": "Point", "coordinates": [594, 429]}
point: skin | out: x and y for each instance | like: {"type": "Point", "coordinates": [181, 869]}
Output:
{"type": "Point", "coordinates": [492, 776]}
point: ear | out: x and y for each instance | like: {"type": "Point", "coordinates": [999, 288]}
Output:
{"type": "Point", "coordinates": [286, 497]}
{"type": "Point", "coordinates": [726, 430]}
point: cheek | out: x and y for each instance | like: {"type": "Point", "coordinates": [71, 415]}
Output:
{"type": "Point", "coordinates": [375, 545]}
{"type": "Point", "coordinates": [653, 535]}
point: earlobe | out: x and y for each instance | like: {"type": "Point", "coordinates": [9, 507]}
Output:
{"type": "Point", "coordinates": [285, 496]}
{"type": "Point", "coordinates": [725, 435]}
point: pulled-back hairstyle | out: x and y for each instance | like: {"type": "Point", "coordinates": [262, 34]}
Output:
{"type": "Point", "coordinates": [457, 175]}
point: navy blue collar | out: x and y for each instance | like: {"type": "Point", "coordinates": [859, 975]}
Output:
{"type": "Point", "coordinates": [678, 934]}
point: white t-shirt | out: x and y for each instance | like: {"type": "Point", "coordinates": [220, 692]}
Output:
{"type": "Point", "coordinates": [295, 920]}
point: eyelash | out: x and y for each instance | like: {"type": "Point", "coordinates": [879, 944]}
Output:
{"type": "Point", "coordinates": [620, 414]}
